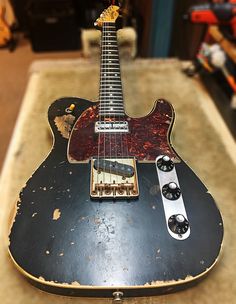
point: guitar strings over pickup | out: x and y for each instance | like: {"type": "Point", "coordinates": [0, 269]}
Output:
{"type": "Point", "coordinates": [114, 178]}
{"type": "Point", "coordinates": [111, 126]}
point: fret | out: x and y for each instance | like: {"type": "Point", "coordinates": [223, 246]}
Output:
{"type": "Point", "coordinates": [105, 100]}
{"type": "Point", "coordinates": [110, 80]}
{"type": "Point", "coordinates": [110, 39]}
{"type": "Point", "coordinates": [111, 104]}
{"type": "Point", "coordinates": [106, 72]}
{"type": "Point", "coordinates": [109, 71]}
{"type": "Point", "coordinates": [109, 44]}
{"type": "Point", "coordinates": [107, 53]}
{"type": "Point", "coordinates": [107, 91]}
{"type": "Point", "coordinates": [110, 88]}
{"type": "Point", "coordinates": [110, 49]}
{"type": "Point", "coordinates": [110, 68]}
{"type": "Point", "coordinates": [111, 64]}
{"type": "Point", "coordinates": [112, 114]}
{"type": "Point", "coordinates": [107, 112]}
{"type": "Point", "coordinates": [114, 94]}
{"type": "Point", "coordinates": [107, 78]}
{"type": "Point", "coordinates": [111, 92]}
{"type": "Point", "coordinates": [110, 101]}
{"type": "Point", "coordinates": [110, 83]}
{"type": "Point", "coordinates": [106, 108]}
{"type": "Point", "coordinates": [105, 87]}
{"type": "Point", "coordinates": [117, 97]}
{"type": "Point", "coordinates": [113, 109]}
{"type": "Point", "coordinates": [110, 55]}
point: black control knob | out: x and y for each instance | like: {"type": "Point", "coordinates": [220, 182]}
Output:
{"type": "Point", "coordinates": [165, 163]}
{"type": "Point", "coordinates": [171, 191]}
{"type": "Point", "coordinates": [178, 224]}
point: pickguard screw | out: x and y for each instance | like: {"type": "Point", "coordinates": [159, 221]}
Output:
{"type": "Point", "coordinates": [117, 296]}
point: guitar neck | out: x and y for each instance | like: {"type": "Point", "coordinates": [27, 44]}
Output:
{"type": "Point", "coordinates": [110, 93]}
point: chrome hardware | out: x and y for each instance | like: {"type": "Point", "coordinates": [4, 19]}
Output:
{"type": "Point", "coordinates": [165, 163]}
{"type": "Point", "coordinates": [173, 202]}
{"type": "Point", "coordinates": [111, 126]}
{"type": "Point", "coordinates": [117, 296]}
{"type": "Point", "coordinates": [70, 109]}
{"type": "Point", "coordinates": [114, 167]}
{"type": "Point", "coordinates": [112, 184]}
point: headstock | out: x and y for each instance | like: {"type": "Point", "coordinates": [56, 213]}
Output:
{"type": "Point", "coordinates": [108, 15]}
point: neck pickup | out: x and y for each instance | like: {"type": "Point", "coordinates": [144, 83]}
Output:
{"type": "Point", "coordinates": [111, 127]}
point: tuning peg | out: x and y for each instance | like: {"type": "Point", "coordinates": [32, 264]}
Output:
{"type": "Point", "coordinates": [101, 15]}
{"type": "Point", "coordinates": [95, 23]}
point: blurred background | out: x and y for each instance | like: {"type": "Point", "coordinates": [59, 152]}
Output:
{"type": "Point", "coordinates": [60, 29]}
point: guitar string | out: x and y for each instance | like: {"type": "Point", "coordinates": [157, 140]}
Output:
{"type": "Point", "coordinates": [99, 110]}
{"type": "Point", "coordinates": [114, 43]}
{"type": "Point", "coordinates": [108, 104]}
{"type": "Point", "coordinates": [102, 138]}
{"type": "Point", "coordinates": [120, 146]}
{"type": "Point", "coordinates": [104, 103]}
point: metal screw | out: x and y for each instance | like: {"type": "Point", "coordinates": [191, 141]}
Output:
{"type": "Point", "coordinates": [117, 296]}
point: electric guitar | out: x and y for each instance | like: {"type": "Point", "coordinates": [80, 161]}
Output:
{"type": "Point", "coordinates": [113, 210]}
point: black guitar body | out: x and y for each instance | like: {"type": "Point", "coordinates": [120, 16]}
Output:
{"type": "Point", "coordinates": [66, 243]}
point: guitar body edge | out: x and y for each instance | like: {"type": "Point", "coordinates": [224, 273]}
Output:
{"type": "Point", "coordinates": [66, 212]}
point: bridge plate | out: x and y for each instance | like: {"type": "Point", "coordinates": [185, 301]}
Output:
{"type": "Point", "coordinates": [105, 183]}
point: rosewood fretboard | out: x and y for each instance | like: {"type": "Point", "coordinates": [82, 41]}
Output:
{"type": "Point", "coordinates": [110, 94]}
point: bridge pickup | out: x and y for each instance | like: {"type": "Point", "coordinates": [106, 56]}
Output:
{"type": "Point", "coordinates": [111, 126]}
{"type": "Point", "coordinates": [114, 167]}
{"type": "Point", "coordinates": [114, 178]}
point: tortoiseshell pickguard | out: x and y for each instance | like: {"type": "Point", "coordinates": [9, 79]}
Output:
{"type": "Point", "coordinates": [148, 136]}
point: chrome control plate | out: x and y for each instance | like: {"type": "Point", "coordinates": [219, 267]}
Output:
{"type": "Point", "coordinates": [172, 207]}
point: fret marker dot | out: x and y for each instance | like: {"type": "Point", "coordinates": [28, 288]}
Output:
{"type": "Point", "coordinates": [111, 94]}
{"type": "Point", "coordinates": [110, 87]}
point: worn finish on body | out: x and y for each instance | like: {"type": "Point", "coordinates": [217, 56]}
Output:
{"type": "Point", "coordinates": [67, 243]}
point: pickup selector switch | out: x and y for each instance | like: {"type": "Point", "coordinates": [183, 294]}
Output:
{"type": "Point", "coordinates": [171, 191]}
{"type": "Point", "coordinates": [165, 163]}
{"type": "Point", "coordinates": [178, 224]}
